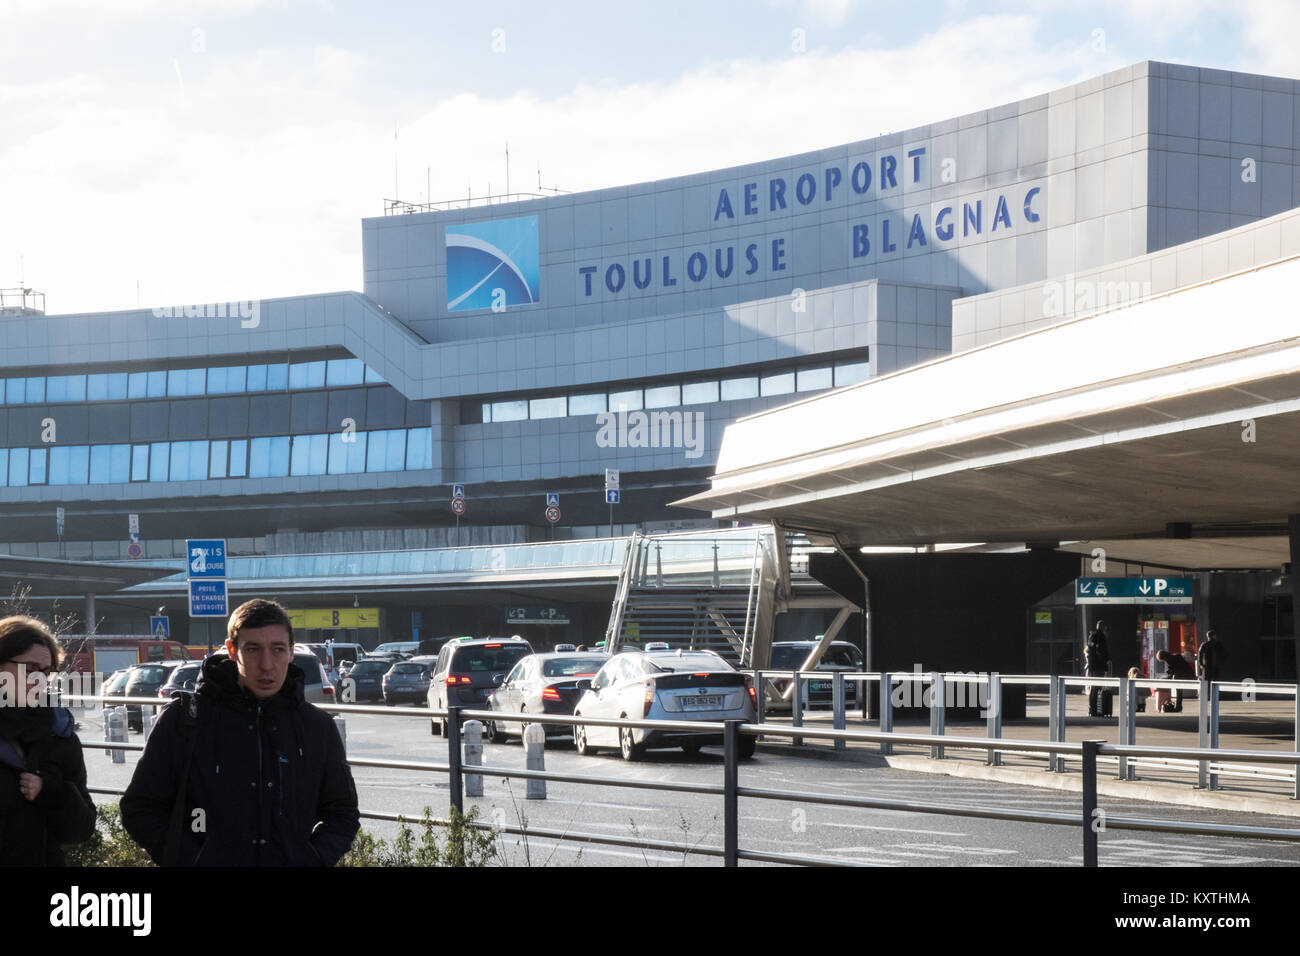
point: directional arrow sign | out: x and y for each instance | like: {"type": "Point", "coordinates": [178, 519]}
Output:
{"type": "Point", "coordinates": [1151, 591]}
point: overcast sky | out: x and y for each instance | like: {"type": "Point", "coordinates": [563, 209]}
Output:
{"type": "Point", "coordinates": [222, 150]}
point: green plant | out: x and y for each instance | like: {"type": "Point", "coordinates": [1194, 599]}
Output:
{"type": "Point", "coordinates": [465, 844]}
{"type": "Point", "coordinates": [109, 845]}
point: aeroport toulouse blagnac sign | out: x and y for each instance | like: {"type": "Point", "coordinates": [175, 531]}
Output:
{"type": "Point", "coordinates": [903, 178]}
{"type": "Point", "coordinates": [1133, 590]}
{"type": "Point", "coordinates": [496, 263]}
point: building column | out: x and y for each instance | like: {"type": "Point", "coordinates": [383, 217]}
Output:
{"type": "Point", "coordinates": [1293, 532]}
{"type": "Point", "coordinates": [90, 613]}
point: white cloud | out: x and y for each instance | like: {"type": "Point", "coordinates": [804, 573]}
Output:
{"type": "Point", "coordinates": [254, 182]}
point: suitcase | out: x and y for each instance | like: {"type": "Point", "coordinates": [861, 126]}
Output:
{"type": "Point", "coordinates": [1101, 702]}
{"type": "Point", "coordinates": [1159, 697]}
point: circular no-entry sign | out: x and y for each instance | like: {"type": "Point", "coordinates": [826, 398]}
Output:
{"type": "Point", "coordinates": [458, 505]}
{"type": "Point", "coordinates": [553, 514]}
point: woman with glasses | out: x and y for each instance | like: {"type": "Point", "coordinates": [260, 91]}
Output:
{"type": "Point", "coordinates": [44, 803]}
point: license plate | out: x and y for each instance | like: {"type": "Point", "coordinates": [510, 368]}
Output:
{"type": "Point", "coordinates": [711, 702]}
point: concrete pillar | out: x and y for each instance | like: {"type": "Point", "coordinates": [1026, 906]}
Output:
{"type": "Point", "coordinates": [90, 613]}
{"type": "Point", "coordinates": [1293, 530]}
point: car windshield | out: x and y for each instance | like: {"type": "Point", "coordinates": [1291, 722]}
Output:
{"type": "Point", "coordinates": [688, 662]}
{"type": "Point", "coordinates": [488, 657]}
{"type": "Point", "coordinates": [116, 681]}
{"type": "Point", "coordinates": [149, 675]}
{"type": "Point", "coordinates": [407, 668]}
{"type": "Point", "coordinates": [185, 672]}
{"type": "Point", "coordinates": [843, 655]}
{"type": "Point", "coordinates": [572, 666]}
{"type": "Point", "coordinates": [363, 668]}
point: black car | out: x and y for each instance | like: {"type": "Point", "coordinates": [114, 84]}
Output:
{"type": "Point", "coordinates": [365, 681]}
{"type": "Point", "coordinates": [542, 684]}
{"type": "Point", "coordinates": [181, 679]}
{"type": "Point", "coordinates": [406, 681]}
{"type": "Point", "coordinates": [145, 681]}
{"type": "Point", "coordinates": [469, 669]}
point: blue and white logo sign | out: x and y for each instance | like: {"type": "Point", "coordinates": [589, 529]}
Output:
{"type": "Point", "coordinates": [493, 265]}
{"type": "Point", "coordinates": [207, 557]}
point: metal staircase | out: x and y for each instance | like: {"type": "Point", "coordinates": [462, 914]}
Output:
{"type": "Point", "coordinates": [715, 590]}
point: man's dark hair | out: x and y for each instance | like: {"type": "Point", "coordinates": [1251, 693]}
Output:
{"type": "Point", "coordinates": [18, 634]}
{"type": "Point", "coordinates": [1211, 634]}
{"type": "Point", "coordinates": [256, 613]}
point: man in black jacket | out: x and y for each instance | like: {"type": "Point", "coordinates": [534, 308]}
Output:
{"type": "Point", "coordinates": [246, 772]}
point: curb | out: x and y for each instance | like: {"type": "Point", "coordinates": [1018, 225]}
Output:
{"type": "Point", "coordinates": [1156, 791]}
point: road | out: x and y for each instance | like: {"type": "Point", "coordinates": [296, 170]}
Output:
{"type": "Point", "coordinates": [685, 820]}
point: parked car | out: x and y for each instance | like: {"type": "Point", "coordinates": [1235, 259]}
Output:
{"type": "Point", "coordinates": [817, 692]}
{"type": "Point", "coordinates": [144, 680]}
{"type": "Point", "coordinates": [541, 684]}
{"type": "Point", "coordinates": [469, 669]}
{"type": "Point", "coordinates": [181, 679]}
{"type": "Point", "coordinates": [405, 648]}
{"type": "Point", "coordinates": [406, 681]}
{"type": "Point", "coordinates": [366, 680]}
{"type": "Point", "coordinates": [664, 685]}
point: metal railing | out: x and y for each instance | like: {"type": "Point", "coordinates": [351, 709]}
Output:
{"type": "Point", "coordinates": [1092, 819]}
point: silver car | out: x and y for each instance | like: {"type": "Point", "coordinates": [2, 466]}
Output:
{"type": "Point", "coordinates": [664, 685]}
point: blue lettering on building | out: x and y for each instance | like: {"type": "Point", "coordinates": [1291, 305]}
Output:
{"type": "Point", "coordinates": [860, 180]}
{"type": "Point", "coordinates": [861, 244]}
{"type": "Point", "coordinates": [724, 205]}
{"type": "Point", "coordinates": [752, 259]}
{"type": "Point", "coordinates": [1029, 198]}
{"type": "Point", "coordinates": [586, 274]}
{"type": "Point", "coordinates": [971, 217]}
{"type": "Point", "coordinates": [697, 266]}
{"type": "Point", "coordinates": [778, 255]}
{"type": "Point", "coordinates": [833, 177]}
{"type": "Point", "coordinates": [636, 273]}
{"type": "Point", "coordinates": [776, 190]}
{"type": "Point", "coordinates": [917, 232]}
{"type": "Point", "coordinates": [717, 262]}
{"type": "Point", "coordinates": [805, 189]}
{"type": "Point", "coordinates": [887, 166]}
{"type": "Point", "coordinates": [668, 279]}
{"type": "Point", "coordinates": [1001, 215]}
{"type": "Point", "coordinates": [885, 244]}
{"type": "Point", "coordinates": [942, 230]}
{"type": "Point", "coordinates": [915, 156]}
{"type": "Point", "coordinates": [615, 284]}
{"type": "Point", "coordinates": [751, 199]}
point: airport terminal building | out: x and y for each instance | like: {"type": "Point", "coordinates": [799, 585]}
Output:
{"type": "Point", "coordinates": [522, 346]}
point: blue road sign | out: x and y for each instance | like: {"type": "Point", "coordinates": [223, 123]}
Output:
{"type": "Point", "coordinates": [208, 599]}
{"type": "Point", "coordinates": [611, 496]}
{"type": "Point", "coordinates": [458, 491]}
{"type": "Point", "coordinates": [1134, 590]}
{"type": "Point", "coordinates": [552, 499]}
{"type": "Point", "coordinates": [161, 627]}
{"type": "Point", "coordinates": [207, 557]}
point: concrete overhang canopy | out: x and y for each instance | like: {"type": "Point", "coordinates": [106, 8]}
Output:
{"type": "Point", "coordinates": [1182, 407]}
{"type": "Point", "coordinates": [54, 577]}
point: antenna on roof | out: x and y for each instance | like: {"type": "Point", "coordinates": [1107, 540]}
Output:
{"type": "Point", "coordinates": [507, 167]}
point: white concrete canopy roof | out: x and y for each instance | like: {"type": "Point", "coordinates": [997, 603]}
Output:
{"type": "Point", "coordinates": [1112, 425]}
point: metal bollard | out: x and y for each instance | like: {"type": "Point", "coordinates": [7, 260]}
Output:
{"type": "Point", "coordinates": [342, 726]}
{"type": "Point", "coordinates": [115, 730]}
{"type": "Point", "coordinates": [796, 707]}
{"type": "Point", "coordinates": [1125, 702]}
{"type": "Point", "coordinates": [535, 747]}
{"type": "Point", "coordinates": [1090, 802]}
{"type": "Point", "coordinates": [148, 717]}
{"type": "Point", "coordinates": [454, 780]}
{"type": "Point", "coordinates": [1214, 730]}
{"type": "Point", "coordinates": [887, 711]}
{"type": "Point", "coordinates": [837, 707]}
{"type": "Point", "coordinates": [1203, 734]}
{"type": "Point", "coordinates": [936, 712]}
{"type": "Point", "coordinates": [993, 713]}
{"type": "Point", "coordinates": [473, 733]}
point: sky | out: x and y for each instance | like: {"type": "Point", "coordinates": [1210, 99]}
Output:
{"type": "Point", "coordinates": [156, 153]}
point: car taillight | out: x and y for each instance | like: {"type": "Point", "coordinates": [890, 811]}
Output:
{"type": "Point", "coordinates": [328, 688]}
{"type": "Point", "coordinates": [457, 679]}
{"type": "Point", "coordinates": [649, 697]}
{"type": "Point", "coordinates": [550, 693]}
{"type": "Point", "coordinates": [753, 694]}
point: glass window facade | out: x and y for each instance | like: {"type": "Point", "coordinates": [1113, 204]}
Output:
{"type": "Point", "coordinates": [184, 382]}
